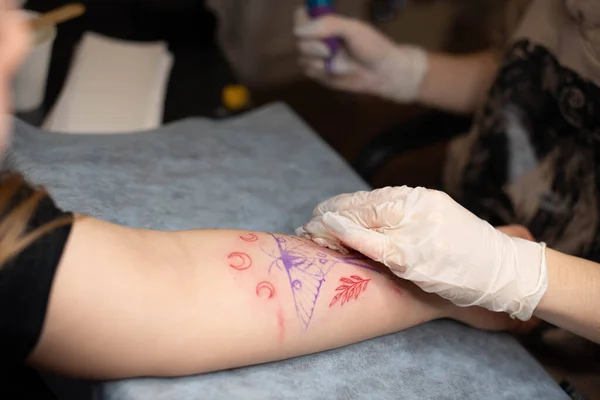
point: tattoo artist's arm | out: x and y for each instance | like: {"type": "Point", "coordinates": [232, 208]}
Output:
{"type": "Point", "coordinates": [458, 83]}
{"type": "Point", "coordinates": [131, 303]}
{"type": "Point", "coordinates": [572, 300]}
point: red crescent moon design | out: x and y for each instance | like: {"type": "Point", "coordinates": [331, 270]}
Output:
{"type": "Point", "coordinates": [251, 237]}
{"type": "Point", "coordinates": [265, 289]}
{"type": "Point", "coordinates": [239, 261]}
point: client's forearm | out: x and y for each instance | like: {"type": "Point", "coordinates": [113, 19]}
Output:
{"type": "Point", "coordinates": [262, 297]}
{"type": "Point", "coordinates": [129, 303]}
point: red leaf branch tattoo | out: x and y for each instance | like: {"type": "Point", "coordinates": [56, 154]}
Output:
{"type": "Point", "coordinates": [352, 288]}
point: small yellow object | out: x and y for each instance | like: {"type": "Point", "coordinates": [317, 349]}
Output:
{"type": "Point", "coordinates": [236, 97]}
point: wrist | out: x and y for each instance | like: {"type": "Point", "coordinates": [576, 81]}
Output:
{"type": "Point", "coordinates": [430, 86]}
{"type": "Point", "coordinates": [553, 260]}
{"type": "Point", "coordinates": [571, 301]}
{"type": "Point", "coordinates": [524, 263]}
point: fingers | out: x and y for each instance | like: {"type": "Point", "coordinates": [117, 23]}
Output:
{"type": "Point", "coordinates": [302, 231]}
{"type": "Point", "coordinates": [323, 27]}
{"type": "Point", "coordinates": [316, 68]}
{"type": "Point", "coordinates": [370, 243]}
{"type": "Point", "coordinates": [301, 17]}
{"type": "Point", "coordinates": [314, 53]}
{"type": "Point", "coordinates": [388, 215]}
{"type": "Point", "coordinates": [316, 232]}
{"type": "Point", "coordinates": [354, 236]}
{"type": "Point", "coordinates": [364, 198]}
{"type": "Point", "coordinates": [313, 49]}
{"type": "Point", "coordinates": [316, 229]}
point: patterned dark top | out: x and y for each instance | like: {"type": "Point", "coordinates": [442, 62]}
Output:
{"type": "Point", "coordinates": [533, 155]}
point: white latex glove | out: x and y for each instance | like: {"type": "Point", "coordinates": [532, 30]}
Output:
{"type": "Point", "coordinates": [424, 236]}
{"type": "Point", "coordinates": [368, 63]}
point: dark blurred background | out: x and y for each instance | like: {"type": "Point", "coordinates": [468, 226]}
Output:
{"type": "Point", "coordinates": [219, 42]}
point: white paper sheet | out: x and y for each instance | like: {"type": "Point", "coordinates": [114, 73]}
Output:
{"type": "Point", "coordinates": [113, 86]}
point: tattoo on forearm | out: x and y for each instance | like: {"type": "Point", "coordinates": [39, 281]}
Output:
{"type": "Point", "coordinates": [306, 272]}
{"type": "Point", "coordinates": [350, 289]}
{"type": "Point", "coordinates": [239, 261]}
{"type": "Point", "coordinates": [265, 289]}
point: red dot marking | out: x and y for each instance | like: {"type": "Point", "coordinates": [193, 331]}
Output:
{"type": "Point", "coordinates": [281, 324]}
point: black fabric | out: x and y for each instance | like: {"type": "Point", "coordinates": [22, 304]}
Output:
{"type": "Point", "coordinates": [24, 383]}
{"type": "Point", "coordinates": [25, 283]}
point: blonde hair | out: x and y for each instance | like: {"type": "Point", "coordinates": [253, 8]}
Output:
{"type": "Point", "coordinates": [18, 203]}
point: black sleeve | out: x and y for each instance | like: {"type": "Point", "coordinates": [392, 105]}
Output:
{"type": "Point", "coordinates": [25, 283]}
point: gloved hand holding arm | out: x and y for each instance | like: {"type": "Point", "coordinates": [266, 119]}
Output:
{"type": "Point", "coordinates": [426, 237]}
{"type": "Point", "coordinates": [371, 63]}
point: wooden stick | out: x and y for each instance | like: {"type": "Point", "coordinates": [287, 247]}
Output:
{"type": "Point", "coordinates": [58, 15]}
